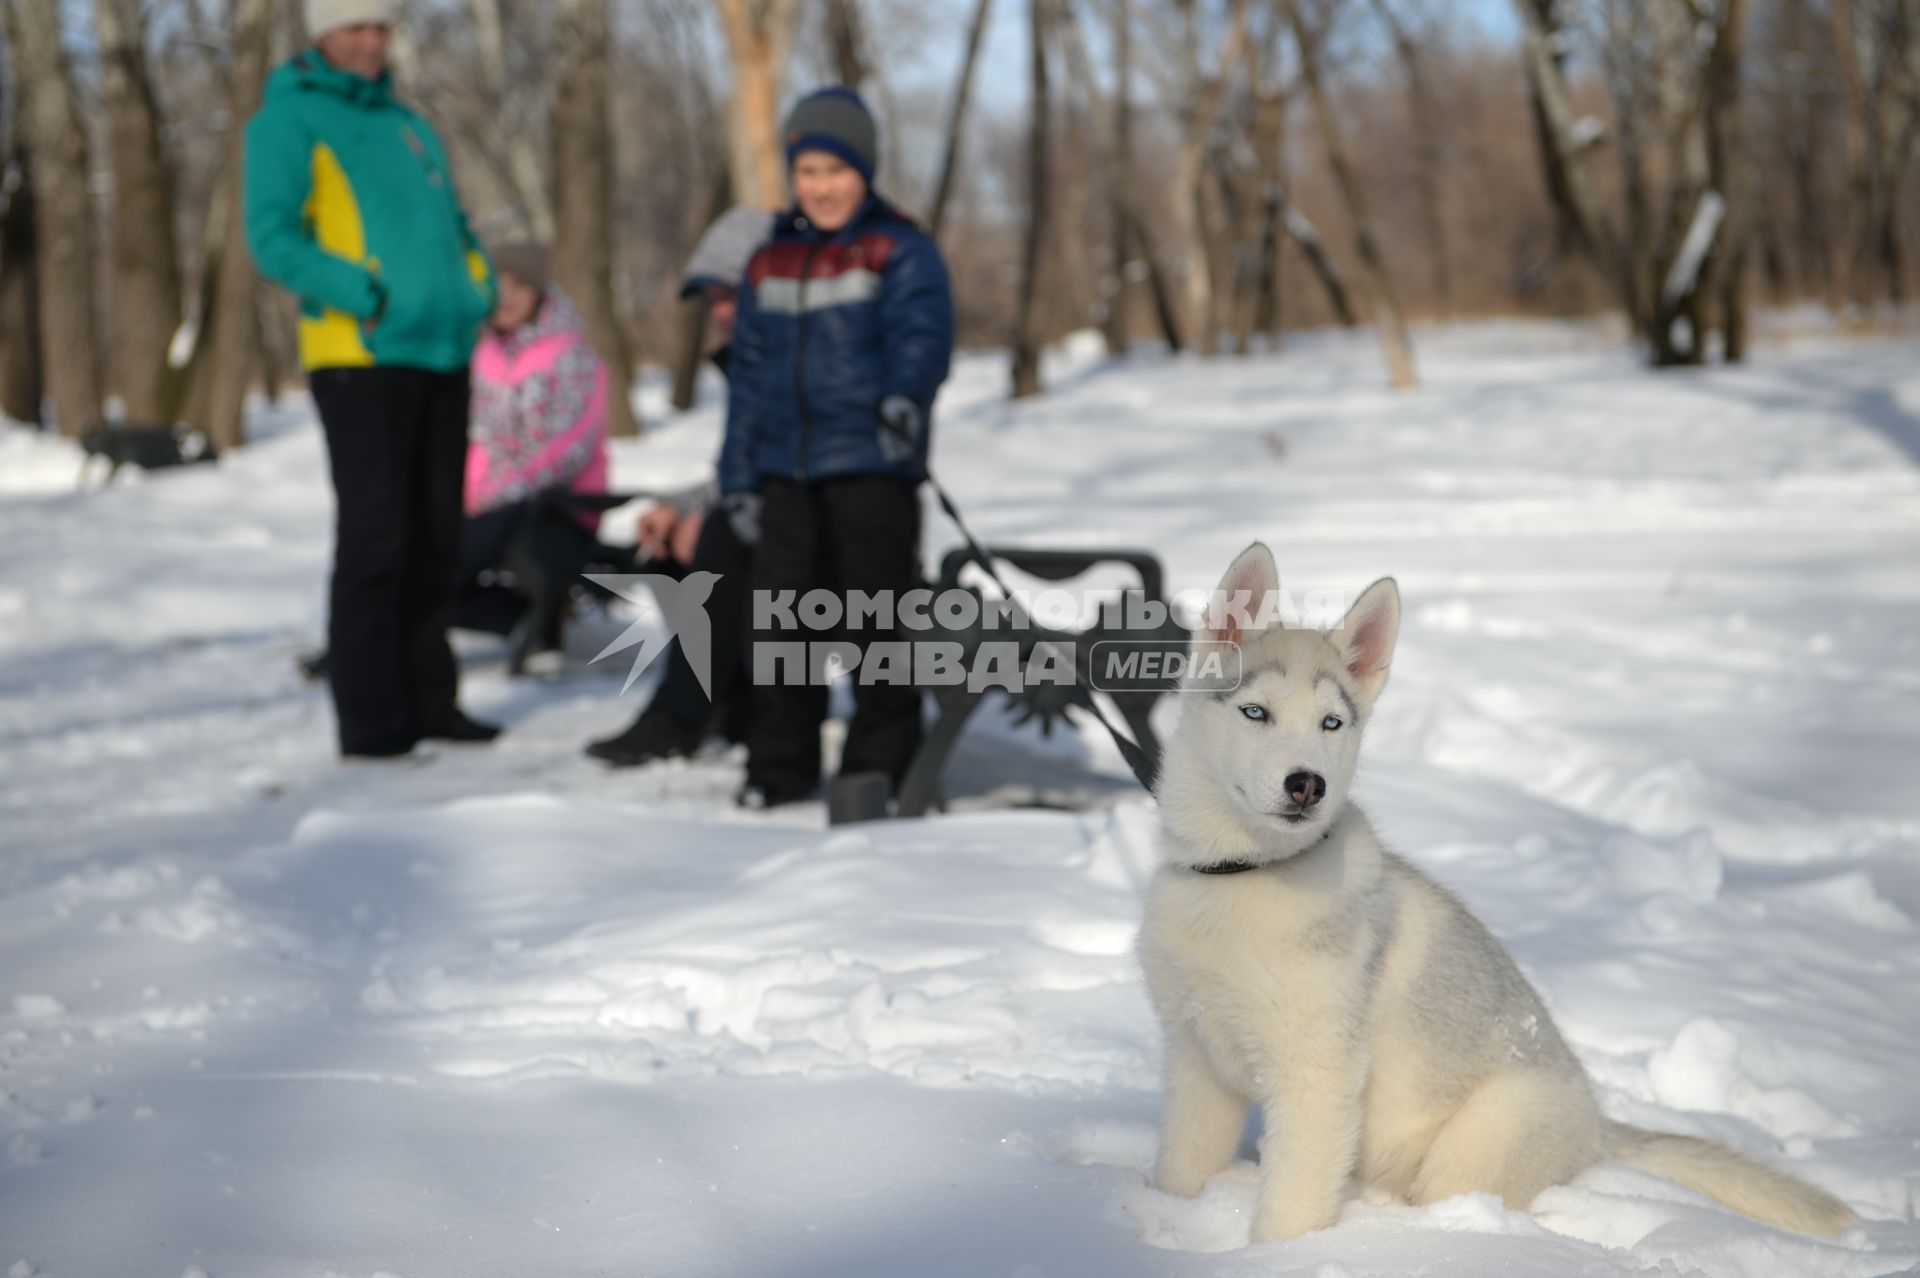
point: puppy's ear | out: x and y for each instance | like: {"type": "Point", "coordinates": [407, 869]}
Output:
{"type": "Point", "coordinates": [1242, 603]}
{"type": "Point", "coordinates": [1366, 636]}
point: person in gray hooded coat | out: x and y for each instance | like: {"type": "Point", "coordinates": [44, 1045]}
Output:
{"type": "Point", "coordinates": [679, 531]}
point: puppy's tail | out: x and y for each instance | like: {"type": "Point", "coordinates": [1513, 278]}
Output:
{"type": "Point", "coordinates": [1733, 1180]}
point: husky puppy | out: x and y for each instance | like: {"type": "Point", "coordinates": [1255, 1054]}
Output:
{"type": "Point", "coordinates": [1298, 965]}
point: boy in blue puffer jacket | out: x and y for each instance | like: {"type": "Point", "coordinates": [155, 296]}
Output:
{"type": "Point", "coordinates": [844, 333]}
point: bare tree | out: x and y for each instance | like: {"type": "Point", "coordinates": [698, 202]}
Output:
{"type": "Point", "coordinates": [848, 39]}
{"type": "Point", "coordinates": [144, 285]}
{"type": "Point", "coordinates": [1199, 105]}
{"type": "Point", "coordinates": [1727, 172]}
{"type": "Point", "coordinates": [1796, 112]}
{"type": "Point", "coordinates": [1120, 178]}
{"type": "Point", "coordinates": [511, 143]}
{"type": "Point", "coordinates": [1267, 137]}
{"type": "Point", "coordinates": [21, 388]}
{"type": "Point", "coordinates": [759, 36]}
{"type": "Point", "coordinates": [231, 332]}
{"type": "Point", "coordinates": [1426, 120]}
{"type": "Point", "coordinates": [1565, 140]}
{"type": "Point", "coordinates": [1878, 48]}
{"type": "Point", "coordinates": [1306, 237]}
{"type": "Point", "coordinates": [1373, 267]}
{"type": "Point", "coordinates": [1672, 70]}
{"type": "Point", "coordinates": [1245, 167]}
{"type": "Point", "coordinates": [1081, 145]}
{"type": "Point", "coordinates": [956, 117]}
{"type": "Point", "coordinates": [52, 127]}
{"type": "Point", "coordinates": [1165, 309]}
{"type": "Point", "coordinates": [583, 194]}
{"type": "Point", "coordinates": [1026, 343]}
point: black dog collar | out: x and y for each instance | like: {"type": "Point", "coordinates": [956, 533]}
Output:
{"type": "Point", "coordinates": [1241, 867]}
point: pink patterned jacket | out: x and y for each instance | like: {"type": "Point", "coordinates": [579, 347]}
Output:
{"type": "Point", "coordinates": [539, 416]}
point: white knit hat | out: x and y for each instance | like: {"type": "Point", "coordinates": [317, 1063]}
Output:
{"type": "Point", "coordinates": [324, 15]}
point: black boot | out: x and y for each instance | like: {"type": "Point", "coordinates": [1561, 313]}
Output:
{"type": "Point", "coordinates": [859, 796]}
{"type": "Point", "coordinates": [753, 797]}
{"type": "Point", "coordinates": [374, 751]}
{"type": "Point", "coordinates": [455, 726]}
{"type": "Point", "coordinates": [654, 735]}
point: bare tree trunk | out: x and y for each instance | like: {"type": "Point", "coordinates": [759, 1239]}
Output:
{"type": "Point", "coordinates": [1189, 228]}
{"type": "Point", "coordinates": [1900, 158]}
{"type": "Point", "coordinates": [583, 193]}
{"type": "Point", "coordinates": [1426, 134]}
{"type": "Point", "coordinates": [189, 395]}
{"type": "Point", "coordinates": [1883, 125]}
{"type": "Point", "coordinates": [1209, 250]}
{"type": "Point", "coordinates": [1860, 193]}
{"type": "Point", "coordinates": [1578, 209]}
{"type": "Point", "coordinates": [956, 118]}
{"type": "Point", "coordinates": [1238, 195]}
{"type": "Point", "coordinates": [1267, 136]}
{"type": "Point", "coordinates": [1373, 268]}
{"type": "Point", "coordinates": [144, 288]}
{"type": "Point", "coordinates": [1075, 296]}
{"type": "Point", "coordinates": [848, 39]}
{"type": "Point", "coordinates": [1026, 345]}
{"type": "Point", "coordinates": [1201, 104]}
{"type": "Point", "coordinates": [1308, 240]}
{"type": "Point", "coordinates": [231, 332]}
{"type": "Point", "coordinates": [279, 341]}
{"type": "Point", "coordinates": [759, 34]}
{"type": "Point", "coordinates": [1727, 172]}
{"type": "Point", "coordinates": [1120, 178]}
{"type": "Point", "coordinates": [21, 384]}
{"type": "Point", "coordinates": [54, 132]}
{"type": "Point", "coordinates": [1164, 308]}
{"type": "Point", "coordinates": [519, 161]}
{"type": "Point", "coordinates": [1266, 308]}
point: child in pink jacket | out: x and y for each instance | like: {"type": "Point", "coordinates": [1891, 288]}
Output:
{"type": "Point", "coordinates": [539, 416]}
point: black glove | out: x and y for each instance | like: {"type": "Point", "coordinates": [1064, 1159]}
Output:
{"type": "Point", "coordinates": [901, 426]}
{"type": "Point", "coordinates": [743, 514]}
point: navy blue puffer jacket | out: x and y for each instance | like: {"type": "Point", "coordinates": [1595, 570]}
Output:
{"type": "Point", "coordinates": [828, 326]}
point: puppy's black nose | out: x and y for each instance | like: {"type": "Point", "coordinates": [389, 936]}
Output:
{"type": "Point", "coordinates": [1306, 788]}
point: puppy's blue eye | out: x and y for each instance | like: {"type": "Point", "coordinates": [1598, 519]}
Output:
{"type": "Point", "coordinates": [1331, 723]}
{"type": "Point", "coordinates": [1256, 713]}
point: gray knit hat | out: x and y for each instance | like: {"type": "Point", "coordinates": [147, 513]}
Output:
{"type": "Point", "coordinates": [724, 249]}
{"type": "Point", "coordinates": [527, 262]}
{"type": "Point", "coordinates": [834, 120]}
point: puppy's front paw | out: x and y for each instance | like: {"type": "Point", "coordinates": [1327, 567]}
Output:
{"type": "Point", "coordinates": [1291, 1220]}
{"type": "Point", "coordinates": [1179, 1180]}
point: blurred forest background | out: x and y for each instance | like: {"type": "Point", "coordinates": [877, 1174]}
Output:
{"type": "Point", "coordinates": [1202, 174]}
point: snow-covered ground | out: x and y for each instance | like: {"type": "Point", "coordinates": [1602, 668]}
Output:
{"type": "Point", "coordinates": [1655, 715]}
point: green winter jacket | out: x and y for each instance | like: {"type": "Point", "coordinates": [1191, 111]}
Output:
{"type": "Point", "coordinates": [350, 204]}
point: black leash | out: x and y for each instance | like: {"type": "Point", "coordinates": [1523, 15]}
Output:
{"type": "Point", "coordinates": [1130, 750]}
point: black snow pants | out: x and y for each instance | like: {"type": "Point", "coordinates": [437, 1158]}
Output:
{"type": "Point", "coordinates": [397, 445]}
{"type": "Point", "coordinates": [858, 532]}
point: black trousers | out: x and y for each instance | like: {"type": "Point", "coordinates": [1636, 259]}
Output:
{"type": "Point", "coordinates": [860, 532]}
{"type": "Point", "coordinates": [397, 445]}
{"type": "Point", "coordinates": [718, 550]}
{"type": "Point", "coordinates": [489, 607]}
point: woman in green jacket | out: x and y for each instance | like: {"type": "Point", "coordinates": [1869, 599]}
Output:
{"type": "Point", "coordinates": [350, 204]}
